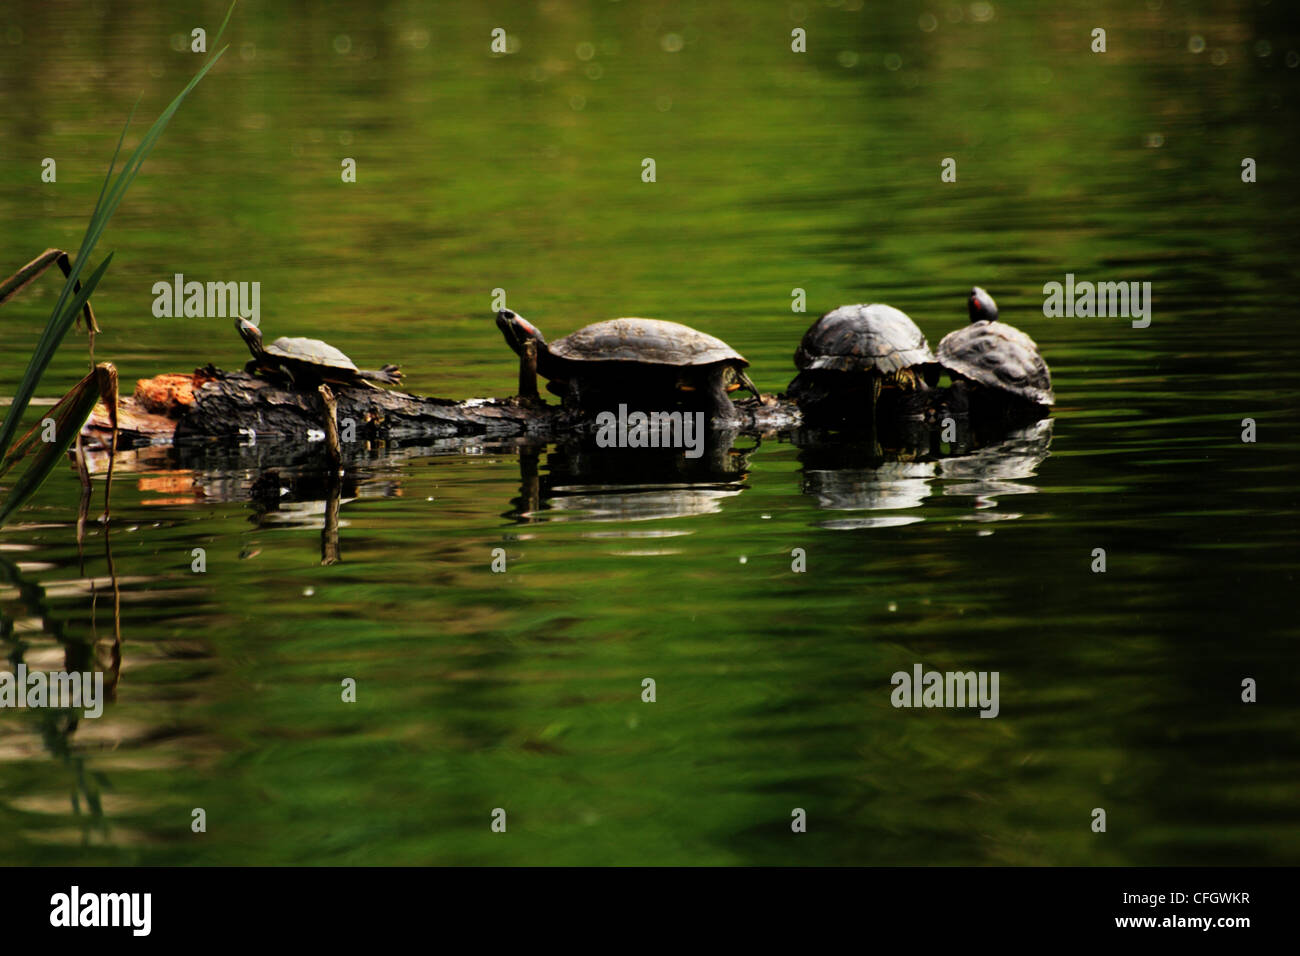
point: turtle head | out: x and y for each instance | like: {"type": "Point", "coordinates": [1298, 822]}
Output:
{"type": "Point", "coordinates": [251, 335]}
{"type": "Point", "coordinates": [518, 330]}
{"type": "Point", "coordinates": [981, 305]}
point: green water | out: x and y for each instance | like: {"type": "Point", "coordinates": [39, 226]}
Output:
{"type": "Point", "coordinates": [775, 170]}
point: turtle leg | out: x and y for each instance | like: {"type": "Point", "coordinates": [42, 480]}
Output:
{"type": "Point", "coordinates": [528, 371]}
{"type": "Point", "coordinates": [745, 381]}
{"type": "Point", "coordinates": [389, 375]}
{"type": "Point", "coordinates": [278, 374]}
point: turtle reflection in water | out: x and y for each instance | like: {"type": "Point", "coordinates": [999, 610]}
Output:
{"type": "Point", "coordinates": [847, 476]}
{"type": "Point", "coordinates": [583, 482]}
{"type": "Point", "coordinates": [308, 362]}
{"type": "Point", "coordinates": [999, 469]}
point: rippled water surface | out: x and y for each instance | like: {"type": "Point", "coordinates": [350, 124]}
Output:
{"type": "Point", "coordinates": [775, 171]}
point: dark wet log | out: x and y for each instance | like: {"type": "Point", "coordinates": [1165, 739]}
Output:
{"type": "Point", "coordinates": [246, 407]}
{"type": "Point", "coordinates": [236, 406]}
{"type": "Point", "coordinates": [214, 405]}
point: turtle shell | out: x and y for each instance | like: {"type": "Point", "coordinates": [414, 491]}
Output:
{"type": "Point", "coordinates": [311, 352]}
{"type": "Point", "coordinates": [999, 356]}
{"type": "Point", "coordinates": [859, 338]}
{"type": "Point", "coordinates": [647, 341]}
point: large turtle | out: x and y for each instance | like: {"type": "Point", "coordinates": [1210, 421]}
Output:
{"type": "Point", "coordinates": [854, 352]}
{"type": "Point", "coordinates": [628, 358]}
{"type": "Point", "coordinates": [308, 362]}
{"type": "Point", "coordinates": [993, 355]}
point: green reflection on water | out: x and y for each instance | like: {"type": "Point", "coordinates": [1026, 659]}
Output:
{"type": "Point", "coordinates": [775, 171]}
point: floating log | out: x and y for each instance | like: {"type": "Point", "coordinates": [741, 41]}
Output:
{"type": "Point", "coordinates": [212, 404]}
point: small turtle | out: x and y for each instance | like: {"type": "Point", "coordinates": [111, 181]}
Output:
{"type": "Point", "coordinates": [993, 355]}
{"type": "Point", "coordinates": [628, 358]}
{"type": "Point", "coordinates": [854, 346]}
{"type": "Point", "coordinates": [309, 361]}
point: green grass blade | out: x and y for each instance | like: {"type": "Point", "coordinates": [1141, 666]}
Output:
{"type": "Point", "coordinates": [54, 332]}
{"type": "Point", "coordinates": [69, 415]}
{"type": "Point", "coordinates": [223, 23]}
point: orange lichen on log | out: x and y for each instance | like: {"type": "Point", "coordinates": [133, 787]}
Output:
{"type": "Point", "coordinates": [165, 394]}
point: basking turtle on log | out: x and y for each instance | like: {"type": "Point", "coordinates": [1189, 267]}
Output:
{"type": "Point", "coordinates": [308, 363]}
{"type": "Point", "coordinates": [995, 362]}
{"type": "Point", "coordinates": [628, 360]}
{"type": "Point", "coordinates": [854, 353]}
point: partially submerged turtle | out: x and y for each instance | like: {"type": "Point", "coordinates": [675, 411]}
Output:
{"type": "Point", "coordinates": [309, 361]}
{"type": "Point", "coordinates": [631, 358]}
{"type": "Point", "coordinates": [993, 355]}
{"type": "Point", "coordinates": [860, 349]}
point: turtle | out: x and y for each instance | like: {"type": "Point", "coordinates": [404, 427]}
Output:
{"type": "Point", "coordinates": [989, 354]}
{"type": "Point", "coordinates": [860, 349]}
{"type": "Point", "coordinates": [309, 361]}
{"type": "Point", "coordinates": [629, 357]}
